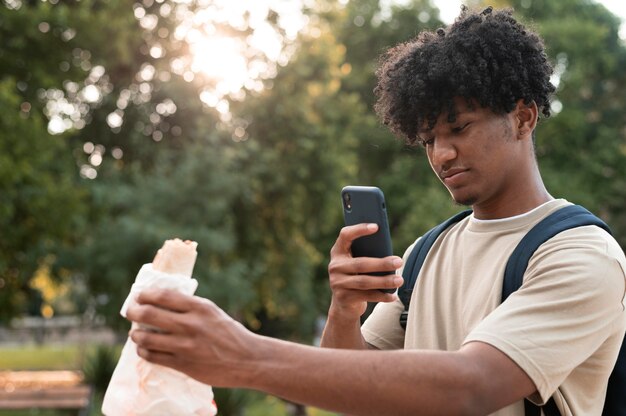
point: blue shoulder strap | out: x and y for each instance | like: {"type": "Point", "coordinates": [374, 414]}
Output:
{"type": "Point", "coordinates": [615, 402]}
{"type": "Point", "coordinates": [565, 218]}
{"type": "Point", "coordinates": [572, 216]}
{"type": "Point", "coordinates": [416, 259]}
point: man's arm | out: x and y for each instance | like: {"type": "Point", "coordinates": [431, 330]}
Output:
{"type": "Point", "coordinates": [205, 343]}
{"type": "Point", "coordinates": [352, 287]}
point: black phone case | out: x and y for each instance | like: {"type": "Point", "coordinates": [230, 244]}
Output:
{"type": "Point", "coordinates": [366, 204]}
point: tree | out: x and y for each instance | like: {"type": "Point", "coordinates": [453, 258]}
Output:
{"type": "Point", "coordinates": [300, 149]}
{"type": "Point", "coordinates": [37, 191]}
{"type": "Point", "coordinates": [581, 147]}
{"type": "Point", "coordinates": [415, 199]}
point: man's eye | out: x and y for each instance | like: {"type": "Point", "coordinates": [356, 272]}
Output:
{"type": "Point", "coordinates": [460, 128]}
{"type": "Point", "coordinates": [427, 141]}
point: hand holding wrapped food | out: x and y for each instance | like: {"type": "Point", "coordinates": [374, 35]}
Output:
{"type": "Point", "coordinates": [142, 388]}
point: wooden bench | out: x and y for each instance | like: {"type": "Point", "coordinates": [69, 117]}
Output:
{"type": "Point", "coordinates": [44, 390]}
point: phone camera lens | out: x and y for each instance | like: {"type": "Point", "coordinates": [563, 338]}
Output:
{"type": "Point", "coordinates": [347, 200]}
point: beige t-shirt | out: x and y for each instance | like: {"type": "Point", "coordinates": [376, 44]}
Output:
{"type": "Point", "coordinates": [563, 327]}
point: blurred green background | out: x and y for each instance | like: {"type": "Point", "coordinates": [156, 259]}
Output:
{"type": "Point", "coordinates": [236, 124]}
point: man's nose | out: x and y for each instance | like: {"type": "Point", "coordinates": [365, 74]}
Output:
{"type": "Point", "coordinates": [443, 152]}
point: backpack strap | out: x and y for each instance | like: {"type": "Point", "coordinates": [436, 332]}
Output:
{"type": "Point", "coordinates": [571, 216]}
{"type": "Point", "coordinates": [549, 409]}
{"type": "Point", "coordinates": [416, 259]}
{"type": "Point", "coordinates": [615, 404]}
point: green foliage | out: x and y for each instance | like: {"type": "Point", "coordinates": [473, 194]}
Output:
{"type": "Point", "coordinates": [39, 195]}
{"type": "Point", "coordinates": [233, 401]}
{"type": "Point", "coordinates": [99, 365]}
{"type": "Point", "coordinates": [416, 200]}
{"type": "Point", "coordinates": [299, 152]}
{"type": "Point", "coordinates": [28, 35]}
{"type": "Point", "coordinates": [581, 149]}
{"type": "Point", "coordinates": [44, 357]}
{"type": "Point", "coordinates": [190, 197]}
{"type": "Point", "coordinates": [258, 188]}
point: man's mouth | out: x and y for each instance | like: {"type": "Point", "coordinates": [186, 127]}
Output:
{"type": "Point", "coordinates": [453, 177]}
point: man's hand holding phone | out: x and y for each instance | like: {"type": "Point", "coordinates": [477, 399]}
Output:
{"type": "Point", "coordinates": [352, 281]}
{"type": "Point", "coordinates": [362, 263]}
{"type": "Point", "coordinates": [362, 267]}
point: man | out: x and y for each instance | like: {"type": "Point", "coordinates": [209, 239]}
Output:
{"type": "Point", "coordinates": [471, 95]}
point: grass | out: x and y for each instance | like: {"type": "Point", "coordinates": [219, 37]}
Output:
{"type": "Point", "coordinates": [52, 357]}
{"type": "Point", "coordinates": [44, 357]}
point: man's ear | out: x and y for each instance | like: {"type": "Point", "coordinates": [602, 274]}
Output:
{"type": "Point", "coordinates": [526, 117]}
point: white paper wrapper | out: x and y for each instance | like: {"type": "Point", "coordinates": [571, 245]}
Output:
{"type": "Point", "coordinates": [140, 388]}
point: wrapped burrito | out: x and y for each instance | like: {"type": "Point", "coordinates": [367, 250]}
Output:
{"type": "Point", "coordinates": [140, 388]}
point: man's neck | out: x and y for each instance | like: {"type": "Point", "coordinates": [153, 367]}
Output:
{"type": "Point", "coordinates": [524, 197]}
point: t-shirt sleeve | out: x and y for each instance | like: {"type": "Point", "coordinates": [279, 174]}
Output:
{"type": "Point", "coordinates": [571, 302]}
{"type": "Point", "coordinates": [382, 328]}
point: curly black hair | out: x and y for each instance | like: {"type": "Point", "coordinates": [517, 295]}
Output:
{"type": "Point", "coordinates": [487, 58]}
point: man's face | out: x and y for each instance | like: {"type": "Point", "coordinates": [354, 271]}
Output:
{"type": "Point", "coordinates": [477, 156]}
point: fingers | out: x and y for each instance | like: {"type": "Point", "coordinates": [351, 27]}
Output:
{"type": "Point", "coordinates": [349, 291]}
{"type": "Point", "coordinates": [163, 309]}
{"type": "Point", "coordinates": [352, 283]}
{"type": "Point", "coordinates": [350, 233]}
{"type": "Point", "coordinates": [364, 265]}
{"type": "Point", "coordinates": [158, 357]}
{"type": "Point", "coordinates": [173, 312]}
{"type": "Point", "coordinates": [153, 341]}
{"type": "Point", "coordinates": [378, 296]}
{"type": "Point", "coordinates": [367, 282]}
{"type": "Point", "coordinates": [167, 299]}
{"type": "Point", "coordinates": [154, 316]}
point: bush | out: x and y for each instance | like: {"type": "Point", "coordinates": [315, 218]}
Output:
{"type": "Point", "coordinates": [99, 365]}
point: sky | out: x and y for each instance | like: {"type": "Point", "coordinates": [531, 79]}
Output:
{"type": "Point", "coordinates": [450, 9]}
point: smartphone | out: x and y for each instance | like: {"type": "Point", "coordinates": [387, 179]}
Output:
{"type": "Point", "coordinates": [366, 204]}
